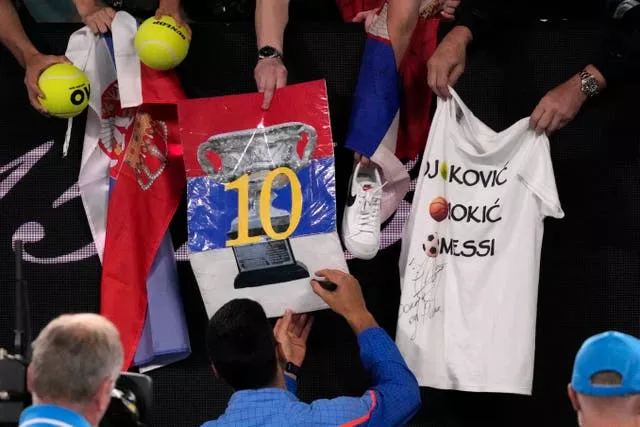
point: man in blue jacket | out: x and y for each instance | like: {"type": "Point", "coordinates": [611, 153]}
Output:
{"type": "Point", "coordinates": [76, 361]}
{"type": "Point", "coordinates": [261, 365]}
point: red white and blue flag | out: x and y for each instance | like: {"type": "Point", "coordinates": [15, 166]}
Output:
{"type": "Point", "coordinates": [390, 115]}
{"type": "Point", "coordinates": [132, 181]}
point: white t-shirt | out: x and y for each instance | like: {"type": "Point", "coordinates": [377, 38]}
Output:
{"type": "Point", "coordinates": [470, 258]}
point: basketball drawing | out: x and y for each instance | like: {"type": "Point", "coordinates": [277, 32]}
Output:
{"type": "Point", "coordinates": [438, 208]}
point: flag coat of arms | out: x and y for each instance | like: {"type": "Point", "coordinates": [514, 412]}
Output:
{"type": "Point", "coordinates": [261, 203]}
{"type": "Point", "coordinates": [131, 182]}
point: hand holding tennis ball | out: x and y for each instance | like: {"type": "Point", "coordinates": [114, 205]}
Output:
{"type": "Point", "coordinates": [34, 64]}
{"type": "Point", "coordinates": [66, 90]}
{"type": "Point", "coordinates": [161, 43]}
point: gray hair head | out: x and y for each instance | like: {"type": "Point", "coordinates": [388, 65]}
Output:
{"type": "Point", "coordinates": [73, 356]}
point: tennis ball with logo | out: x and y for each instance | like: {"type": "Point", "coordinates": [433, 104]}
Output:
{"type": "Point", "coordinates": [161, 44]}
{"type": "Point", "coordinates": [66, 90]}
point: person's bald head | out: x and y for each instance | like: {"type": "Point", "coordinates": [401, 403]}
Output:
{"type": "Point", "coordinates": [605, 386]}
{"type": "Point", "coordinates": [605, 411]}
{"type": "Point", "coordinates": [76, 360]}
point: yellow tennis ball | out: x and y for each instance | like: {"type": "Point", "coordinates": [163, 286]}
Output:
{"type": "Point", "coordinates": [161, 44]}
{"type": "Point", "coordinates": [66, 90]}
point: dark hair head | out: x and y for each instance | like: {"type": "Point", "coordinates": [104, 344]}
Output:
{"type": "Point", "coordinates": [241, 345]}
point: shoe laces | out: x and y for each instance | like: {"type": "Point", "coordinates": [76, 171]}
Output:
{"type": "Point", "coordinates": [369, 207]}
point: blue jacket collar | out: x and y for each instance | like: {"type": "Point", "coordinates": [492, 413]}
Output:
{"type": "Point", "coordinates": [264, 396]}
{"type": "Point", "coordinates": [55, 413]}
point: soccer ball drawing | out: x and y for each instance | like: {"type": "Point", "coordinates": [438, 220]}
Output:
{"type": "Point", "coordinates": [431, 246]}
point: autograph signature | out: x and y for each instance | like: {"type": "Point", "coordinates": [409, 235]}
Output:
{"type": "Point", "coordinates": [426, 278]}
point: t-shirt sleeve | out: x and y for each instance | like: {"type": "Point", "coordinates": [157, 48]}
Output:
{"type": "Point", "coordinates": [536, 173]}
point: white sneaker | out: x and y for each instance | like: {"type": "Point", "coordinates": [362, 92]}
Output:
{"type": "Point", "coordinates": [361, 220]}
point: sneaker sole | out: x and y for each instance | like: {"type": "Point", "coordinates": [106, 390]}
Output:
{"type": "Point", "coordinates": [356, 253]}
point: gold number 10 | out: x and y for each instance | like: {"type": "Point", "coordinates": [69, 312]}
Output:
{"type": "Point", "coordinates": [242, 185]}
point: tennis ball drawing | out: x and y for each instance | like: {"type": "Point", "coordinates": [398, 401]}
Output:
{"type": "Point", "coordinates": [444, 171]}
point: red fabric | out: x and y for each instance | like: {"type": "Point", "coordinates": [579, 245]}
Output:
{"type": "Point", "coordinates": [350, 8]}
{"type": "Point", "coordinates": [415, 105]}
{"type": "Point", "coordinates": [160, 87]}
{"type": "Point", "coordinates": [138, 218]}
{"type": "Point", "coordinates": [416, 101]}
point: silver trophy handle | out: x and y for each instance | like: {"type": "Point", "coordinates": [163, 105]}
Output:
{"type": "Point", "coordinates": [257, 150]}
{"type": "Point", "coordinates": [206, 165]}
{"type": "Point", "coordinates": [311, 144]}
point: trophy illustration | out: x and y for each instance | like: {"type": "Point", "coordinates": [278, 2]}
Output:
{"type": "Point", "coordinates": [256, 152]}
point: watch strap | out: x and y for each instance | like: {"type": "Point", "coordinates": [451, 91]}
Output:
{"type": "Point", "coordinates": [292, 369]}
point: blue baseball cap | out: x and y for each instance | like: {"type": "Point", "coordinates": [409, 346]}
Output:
{"type": "Point", "coordinates": [608, 351]}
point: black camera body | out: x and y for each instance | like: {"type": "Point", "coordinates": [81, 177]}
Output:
{"type": "Point", "coordinates": [14, 396]}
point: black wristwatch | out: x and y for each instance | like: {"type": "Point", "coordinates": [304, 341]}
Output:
{"type": "Point", "coordinates": [292, 369]}
{"type": "Point", "coordinates": [267, 52]}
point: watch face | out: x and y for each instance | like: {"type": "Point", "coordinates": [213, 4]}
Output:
{"type": "Point", "coordinates": [267, 52]}
{"type": "Point", "coordinates": [590, 86]}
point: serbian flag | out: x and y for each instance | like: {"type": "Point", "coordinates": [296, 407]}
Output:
{"type": "Point", "coordinates": [390, 115]}
{"type": "Point", "coordinates": [136, 129]}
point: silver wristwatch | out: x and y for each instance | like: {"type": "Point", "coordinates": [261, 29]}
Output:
{"type": "Point", "coordinates": [588, 84]}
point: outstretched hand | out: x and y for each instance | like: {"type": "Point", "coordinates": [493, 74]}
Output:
{"type": "Point", "coordinates": [366, 16]}
{"type": "Point", "coordinates": [365, 162]}
{"type": "Point", "coordinates": [346, 300]}
{"type": "Point", "coordinates": [173, 11]}
{"type": "Point", "coordinates": [34, 66]}
{"type": "Point", "coordinates": [270, 74]}
{"type": "Point", "coordinates": [561, 104]}
{"type": "Point", "coordinates": [447, 63]}
{"type": "Point", "coordinates": [449, 9]}
{"type": "Point", "coordinates": [558, 107]}
{"type": "Point", "coordinates": [97, 17]}
{"type": "Point", "coordinates": [291, 332]}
